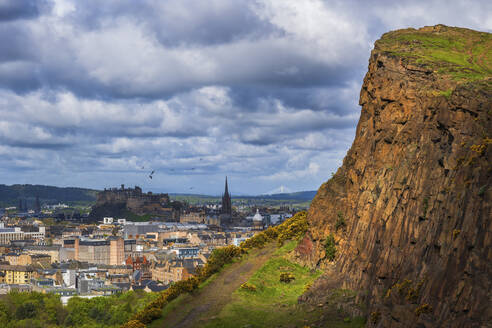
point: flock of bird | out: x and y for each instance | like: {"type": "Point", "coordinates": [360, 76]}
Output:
{"type": "Point", "coordinates": [151, 174]}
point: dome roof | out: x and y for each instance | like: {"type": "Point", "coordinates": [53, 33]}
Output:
{"type": "Point", "coordinates": [257, 216]}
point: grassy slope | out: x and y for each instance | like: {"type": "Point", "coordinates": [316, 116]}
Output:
{"type": "Point", "coordinates": [463, 55]}
{"type": "Point", "coordinates": [273, 304]}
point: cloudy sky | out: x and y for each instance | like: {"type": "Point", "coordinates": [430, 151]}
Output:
{"type": "Point", "coordinates": [98, 93]}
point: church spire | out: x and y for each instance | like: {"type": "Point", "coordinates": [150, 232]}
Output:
{"type": "Point", "coordinates": [226, 200]}
{"type": "Point", "coordinates": [226, 192]}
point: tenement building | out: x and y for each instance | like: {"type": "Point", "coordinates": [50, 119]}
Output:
{"type": "Point", "coordinates": [109, 251]}
{"type": "Point", "coordinates": [15, 274]}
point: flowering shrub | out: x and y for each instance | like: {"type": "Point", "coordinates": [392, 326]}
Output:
{"type": "Point", "coordinates": [293, 228]}
{"type": "Point", "coordinates": [133, 324]}
{"type": "Point", "coordinates": [248, 287]}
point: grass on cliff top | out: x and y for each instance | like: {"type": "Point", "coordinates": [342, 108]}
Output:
{"type": "Point", "coordinates": [464, 55]}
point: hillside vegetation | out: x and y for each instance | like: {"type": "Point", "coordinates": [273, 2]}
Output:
{"type": "Point", "coordinates": [10, 195]}
{"type": "Point", "coordinates": [254, 285]}
{"type": "Point", "coordinates": [39, 310]}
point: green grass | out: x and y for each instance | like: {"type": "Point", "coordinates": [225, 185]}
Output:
{"type": "Point", "coordinates": [271, 290]}
{"type": "Point", "coordinates": [181, 303]}
{"type": "Point", "coordinates": [287, 247]}
{"type": "Point", "coordinates": [463, 54]}
{"type": "Point", "coordinates": [175, 304]}
{"type": "Point", "coordinates": [137, 218]}
{"type": "Point", "coordinates": [274, 303]}
{"type": "Point", "coordinates": [446, 93]}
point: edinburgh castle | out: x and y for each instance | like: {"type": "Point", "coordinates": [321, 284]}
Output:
{"type": "Point", "coordinates": [130, 202]}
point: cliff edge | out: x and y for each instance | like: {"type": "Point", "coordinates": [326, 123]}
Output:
{"type": "Point", "coordinates": [406, 220]}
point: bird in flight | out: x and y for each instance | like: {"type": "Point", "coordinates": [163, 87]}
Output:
{"type": "Point", "coordinates": [151, 174]}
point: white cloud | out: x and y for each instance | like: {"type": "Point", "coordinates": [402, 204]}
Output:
{"type": "Point", "coordinates": [265, 91]}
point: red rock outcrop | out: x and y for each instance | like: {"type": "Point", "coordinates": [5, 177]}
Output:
{"type": "Point", "coordinates": [410, 209]}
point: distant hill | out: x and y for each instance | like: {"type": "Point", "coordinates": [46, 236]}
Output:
{"type": "Point", "coordinates": [298, 196]}
{"type": "Point", "coordinates": [291, 198]}
{"type": "Point", "coordinates": [10, 195]}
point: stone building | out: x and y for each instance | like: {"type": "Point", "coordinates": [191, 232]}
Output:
{"type": "Point", "coordinates": [15, 274]}
{"type": "Point", "coordinates": [42, 260]}
{"type": "Point", "coordinates": [192, 218]}
{"type": "Point", "coordinates": [175, 270]}
{"type": "Point", "coordinates": [100, 251]}
{"type": "Point", "coordinates": [116, 251]}
{"type": "Point", "coordinates": [8, 234]}
{"type": "Point", "coordinates": [52, 251]}
{"type": "Point", "coordinates": [16, 233]}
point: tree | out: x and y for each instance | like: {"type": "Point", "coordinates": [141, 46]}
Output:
{"type": "Point", "coordinates": [26, 310]}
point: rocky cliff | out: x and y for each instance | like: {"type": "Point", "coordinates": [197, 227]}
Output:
{"type": "Point", "coordinates": [406, 221]}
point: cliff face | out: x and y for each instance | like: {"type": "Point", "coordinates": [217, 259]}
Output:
{"type": "Point", "coordinates": [410, 209]}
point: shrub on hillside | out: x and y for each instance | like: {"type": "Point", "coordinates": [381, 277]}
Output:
{"type": "Point", "coordinates": [217, 260]}
{"type": "Point", "coordinates": [133, 324]}
{"type": "Point", "coordinates": [340, 221]}
{"type": "Point", "coordinates": [287, 277]}
{"type": "Point", "coordinates": [293, 228]}
{"type": "Point", "coordinates": [330, 247]}
{"type": "Point", "coordinates": [248, 287]}
{"type": "Point", "coordinates": [148, 314]}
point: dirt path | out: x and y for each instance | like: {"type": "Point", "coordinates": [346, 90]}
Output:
{"type": "Point", "coordinates": [213, 297]}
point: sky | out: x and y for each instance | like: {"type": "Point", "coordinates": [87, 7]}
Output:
{"type": "Point", "coordinates": [100, 93]}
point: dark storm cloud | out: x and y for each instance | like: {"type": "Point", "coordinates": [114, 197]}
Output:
{"type": "Point", "coordinates": [266, 90]}
{"type": "Point", "coordinates": [155, 49]}
{"type": "Point", "coordinates": [20, 9]}
{"type": "Point", "coordinates": [180, 22]}
{"type": "Point", "coordinates": [16, 41]}
{"type": "Point", "coordinates": [331, 98]}
{"type": "Point", "coordinates": [19, 76]}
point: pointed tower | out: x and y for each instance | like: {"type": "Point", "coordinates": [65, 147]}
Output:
{"type": "Point", "coordinates": [226, 200]}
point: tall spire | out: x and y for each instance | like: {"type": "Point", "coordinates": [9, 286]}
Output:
{"type": "Point", "coordinates": [226, 200]}
{"type": "Point", "coordinates": [226, 192]}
